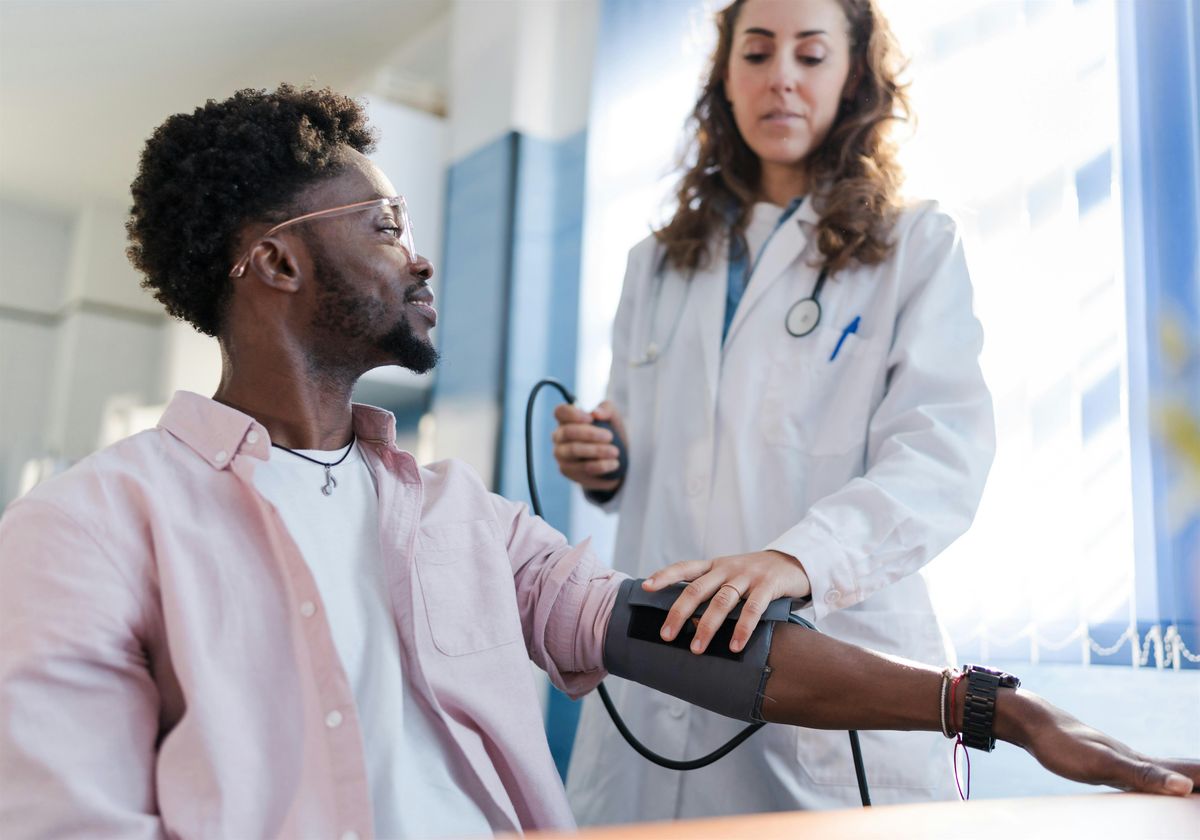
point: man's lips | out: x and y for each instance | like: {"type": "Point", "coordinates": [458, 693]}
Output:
{"type": "Point", "coordinates": [422, 301]}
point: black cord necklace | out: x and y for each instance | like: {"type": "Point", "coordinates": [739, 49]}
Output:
{"type": "Point", "coordinates": [330, 481]}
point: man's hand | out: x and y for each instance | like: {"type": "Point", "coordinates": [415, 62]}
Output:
{"type": "Point", "coordinates": [823, 683]}
{"type": "Point", "coordinates": [585, 452]}
{"type": "Point", "coordinates": [758, 578]}
{"type": "Point", "coordinates": [1076, 751]}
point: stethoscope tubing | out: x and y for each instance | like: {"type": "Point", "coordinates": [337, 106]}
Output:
{"type": "Point", "coordinates": [802, 317]}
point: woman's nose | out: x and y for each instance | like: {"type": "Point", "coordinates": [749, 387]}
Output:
{"type": "Point", "coordinates": [783, 75]}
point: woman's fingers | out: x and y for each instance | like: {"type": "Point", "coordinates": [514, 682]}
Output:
{"type": "Point", "coordinates": [721, 604]}
{"type": "Point", "coordinates": [567, 413]}
{"type": "Point", "coordinates": [692, 596]}
{"type": "Point", "coordinates": [675, 573]}
{"type": "Point", "coordinates": [577, 451]}
{"type": "Point", "coordinates": [756, 579]}
{"type": "Point", "coordinates": [752, 610]}
{"type": "Point", "coordinates": [584, 452]}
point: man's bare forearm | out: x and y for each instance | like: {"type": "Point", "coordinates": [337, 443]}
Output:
{"type": "Point", "coordinates": [822, 683]}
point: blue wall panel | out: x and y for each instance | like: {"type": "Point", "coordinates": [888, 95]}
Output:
{"type": "Point", "coordinates": [510, 307]}
{"type": "Point", "coordinates": [475, 270]}
{"type": "Point", "coordinates": [1161, 106]}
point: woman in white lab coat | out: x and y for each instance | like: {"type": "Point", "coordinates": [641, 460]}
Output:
{"type": "Point", "coordinates": [828, 457]}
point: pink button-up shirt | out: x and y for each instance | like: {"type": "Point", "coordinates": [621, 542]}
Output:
{"type": "Point", "coordinates": [166, 667]}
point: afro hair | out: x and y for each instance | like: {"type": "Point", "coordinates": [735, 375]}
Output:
{"type": "Point", "coordinates": [203, 175]}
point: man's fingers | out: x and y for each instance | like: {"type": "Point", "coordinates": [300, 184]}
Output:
{"type": "Point", "coordinates": [1151, 778]}
{"type": "Point", "coordinates": [1184, 767]}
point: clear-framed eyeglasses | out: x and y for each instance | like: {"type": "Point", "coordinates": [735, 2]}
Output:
{"type": "Point", "coordinates": [403, 225]}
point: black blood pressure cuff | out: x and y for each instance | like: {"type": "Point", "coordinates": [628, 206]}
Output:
{"type": "Point", "coordinates": [719, 680]}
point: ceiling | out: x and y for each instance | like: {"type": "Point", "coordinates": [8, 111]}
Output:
{"type": "Point", "coordinates": [84, 82]}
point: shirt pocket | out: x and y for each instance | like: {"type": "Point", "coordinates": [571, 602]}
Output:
{"type": "Point", "coordinates": [816, 404]}
{"type": "Point", "coordinates": [467, 586]}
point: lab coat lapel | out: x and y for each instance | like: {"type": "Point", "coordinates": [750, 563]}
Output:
{"type": "Point", "coordinates": [784, 249]}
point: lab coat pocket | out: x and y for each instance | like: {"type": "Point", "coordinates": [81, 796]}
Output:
{"type": "Point", "coordinates": [819, 401]}
{"type": "Point", "coordinates": [917, 762]}
{"type": "Point", "coordinates": [467, 587]}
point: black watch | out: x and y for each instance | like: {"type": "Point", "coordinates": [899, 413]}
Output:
{"type": "Point", "coordinates": [979, 707]}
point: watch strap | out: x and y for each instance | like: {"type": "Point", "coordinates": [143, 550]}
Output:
{"type": "Point", "coordinates": [979, 708]}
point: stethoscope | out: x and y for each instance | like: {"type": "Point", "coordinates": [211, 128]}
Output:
{"type": "Point", "coordinates": [802, 317]}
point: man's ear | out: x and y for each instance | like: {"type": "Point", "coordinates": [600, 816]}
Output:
{"type": "Point", "coordinates": [273, 262]}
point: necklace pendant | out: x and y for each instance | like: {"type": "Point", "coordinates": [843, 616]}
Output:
{"type": "Point", "coordinates": [330, 481]}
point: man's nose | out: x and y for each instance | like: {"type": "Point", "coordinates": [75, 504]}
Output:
{"type": "Point", "coordinates": [421, 268]}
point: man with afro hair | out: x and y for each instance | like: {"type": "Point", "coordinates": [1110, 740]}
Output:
{"type": "Point", "coordinates": [263, 619]}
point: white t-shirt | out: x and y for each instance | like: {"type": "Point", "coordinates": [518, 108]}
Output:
{"type": "Point", "coordinates": [414, 792]}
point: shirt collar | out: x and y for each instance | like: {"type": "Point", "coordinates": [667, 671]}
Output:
{"type": "Point", "coordinates": [217, 433]}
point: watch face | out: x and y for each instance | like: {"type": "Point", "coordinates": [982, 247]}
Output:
{"type": "Point", "coordinates": [1006, 680]}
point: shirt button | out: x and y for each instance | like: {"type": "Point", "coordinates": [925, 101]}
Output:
{"type": "Point", "coordinates": [308, 609]}
{"type": "Point", "coordinates": [221, 457]}
{"type": "Point", "coordinates": [833, 596]}
{"type": "Point", "coordinates": [676, 710]}
{"type": "Point", "coordinates": [350, 835]}
{"type": "Point", "coordinates": [334, 719]}
{"type": "Point", "coordinates": [252, 437]}
{"type": "Point", "coordinates": [696, 485]}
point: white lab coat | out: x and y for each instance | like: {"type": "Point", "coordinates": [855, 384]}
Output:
{"type": "Point", "coordinates": [864, 467]}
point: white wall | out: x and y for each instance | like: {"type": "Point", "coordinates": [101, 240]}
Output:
{"type": "Point", "coordinates": [77, 334]}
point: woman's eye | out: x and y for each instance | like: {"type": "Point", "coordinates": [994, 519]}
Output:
{"type": "Point", "coordinates": [755, 58]}
{"type": "Point", "coordinates": [810, 60]}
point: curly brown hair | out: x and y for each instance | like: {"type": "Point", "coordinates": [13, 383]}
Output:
{"type": "Point", "coordinates": [203, 175]}
{"type": "Point", "coordinates": [856, 163]}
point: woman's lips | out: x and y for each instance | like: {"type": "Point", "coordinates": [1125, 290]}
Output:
{"type": "Point", "coordinates": [781, 118]}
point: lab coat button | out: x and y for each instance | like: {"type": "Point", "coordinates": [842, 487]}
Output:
{"type": "Point", "coordinates": [696, 485]}
{"type": "Point", "coordinates": [833, 597]}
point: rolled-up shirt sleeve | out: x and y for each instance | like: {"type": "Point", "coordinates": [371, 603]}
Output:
{"type": "Point", "coordinates": [78, 706]}
{"type": "Point", "coordinates": [565, 597]}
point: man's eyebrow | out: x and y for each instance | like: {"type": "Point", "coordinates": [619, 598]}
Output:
{"type": "Point", "coordinates": [758, 30]}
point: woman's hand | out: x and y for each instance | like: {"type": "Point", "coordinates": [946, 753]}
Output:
{"type": "Point", "coordinates": [759, 578]}
{"type": "Point", "coordinates": [585, 452]}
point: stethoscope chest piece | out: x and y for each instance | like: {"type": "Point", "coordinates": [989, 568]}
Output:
{"type": "Point", "coordinates": [803, 317]}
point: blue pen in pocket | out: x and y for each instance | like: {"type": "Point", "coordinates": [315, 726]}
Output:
{"type": "Point", "coordinates": [852, 327]}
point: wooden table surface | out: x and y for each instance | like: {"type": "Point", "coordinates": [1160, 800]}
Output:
{"type": "Point", "coordinates": [1116, 815]}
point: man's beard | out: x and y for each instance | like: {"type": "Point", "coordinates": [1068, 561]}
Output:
{"type": "Point", "coordinates": [345, 318]}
